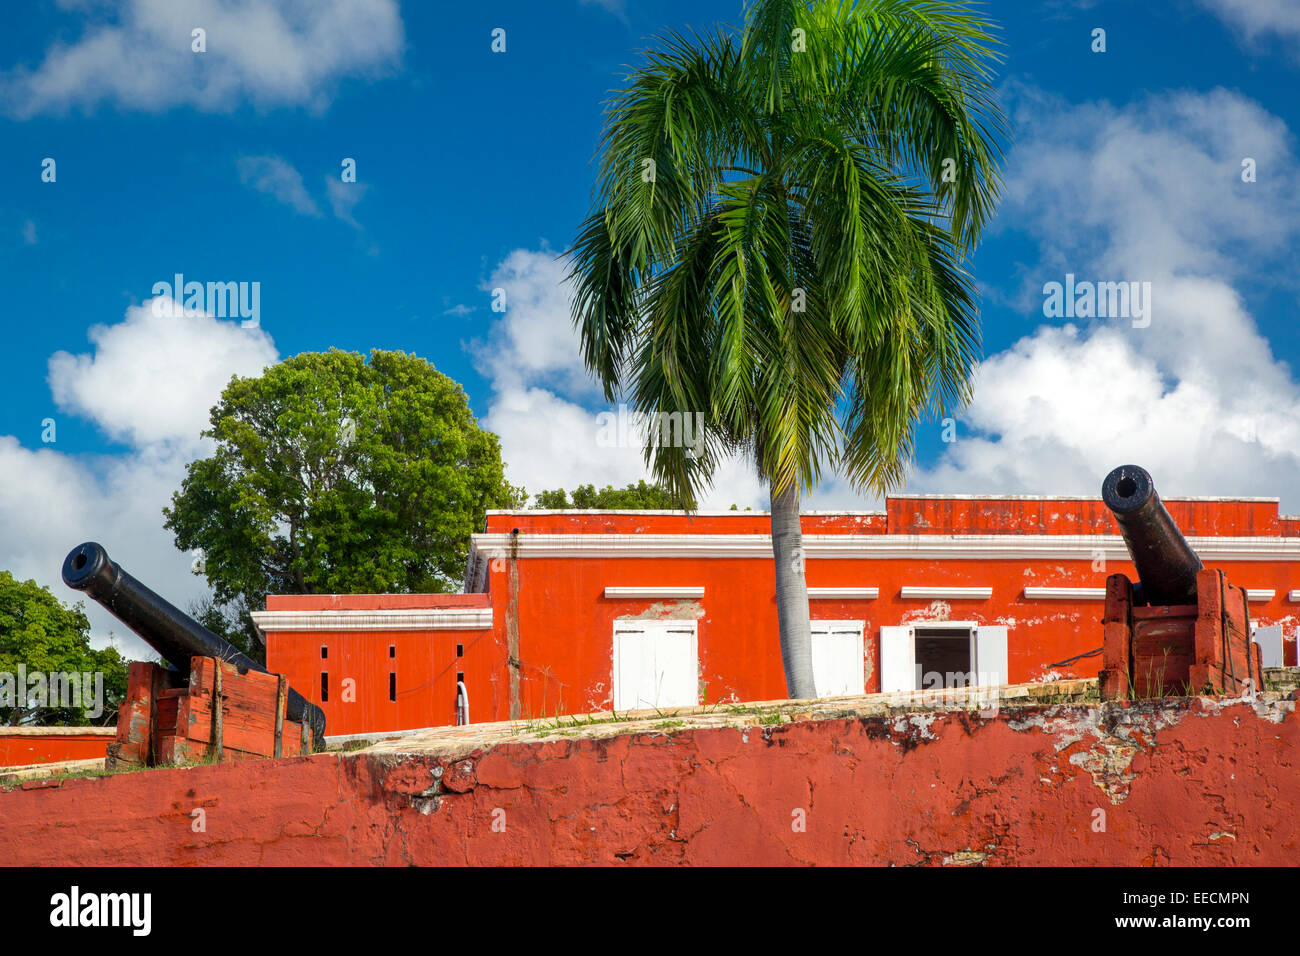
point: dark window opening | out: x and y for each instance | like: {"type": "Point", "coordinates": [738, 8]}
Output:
{"type": "Point", "coordinates": [460, 677]}
{"type": "Point", "coordinates": [324, 652]}
{"type": "Point", "coordinates": [460, 650]}
{"type": "Point", "coordinates": [324, 687]}
{"type": "Point", "coordinates": [943, 658]}
{"type": "Point", "coordinates": [392, 650]}
{"type": "Point", "coordinates": [392, 687]}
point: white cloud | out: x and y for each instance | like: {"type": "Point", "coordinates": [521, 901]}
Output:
{"type": "Point", "coordinates": [1255, 18]}
{"type": "Point", "coordinates": [29, 232]}
{"type": "Point", "coordinates": [153, 378]}
{"type": "Point", "coordinates": [269, 53]}
{"type": "Point", "coordinates": [549, 442]}
{"type": "Point", "coordinates": [1151, 192]}
{"type": "Point", "coordinates": [50, 502]}
{"type": "Point", "coordinates": [343, 198]}
{"type": "Point", "coordinates": [276, 178]}
{"type": "Point", "coordinates": [533, 341]}
{"type": "Point", "coordinates": [545, 407]}
{"type": "Point", "coordinates": [150, 382]}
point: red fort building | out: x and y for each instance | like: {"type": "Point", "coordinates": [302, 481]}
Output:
{"type": "Point", "coordinates": [569, 612]}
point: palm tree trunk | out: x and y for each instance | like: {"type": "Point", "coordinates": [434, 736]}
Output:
{"type": "Point", "coordinates": [792, 594]}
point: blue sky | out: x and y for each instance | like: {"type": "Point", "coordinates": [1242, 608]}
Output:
{"type": "Point", "coordinates": [473, 171]}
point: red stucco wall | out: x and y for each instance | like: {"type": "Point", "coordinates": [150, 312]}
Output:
{"type": "Point", "coordinates": [1184, 783]}
{"type": "Point", "coordinates": [19, 746]}
{"type": "Point", "coordinates": [358, 664]}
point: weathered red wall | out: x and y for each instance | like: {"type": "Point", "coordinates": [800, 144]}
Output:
{"type": "Point", "coordinates": [425, 663]}
{"type": "Point", "coordinates": [1189, 783]}
{"type": "Point", "coordinates": [20, 745]}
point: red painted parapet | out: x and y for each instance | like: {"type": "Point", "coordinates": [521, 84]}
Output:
{"type": "Point", "coordinates": [1179, 649]}
{"type": "Point", "coordinates": [21, 746]}
{"type": "Point", "coordinates": [168, 720]}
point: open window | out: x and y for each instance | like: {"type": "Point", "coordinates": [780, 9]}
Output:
{"type": "Point", "coordinates": [931, 655]}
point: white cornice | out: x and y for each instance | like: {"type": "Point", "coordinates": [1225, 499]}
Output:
{"type": "Point", "coordinates": [844, 594]}
{"type": "Point", "coordinates": [390, 619]}
{"type": "Point", "coordinates": [1293, 596]}
{"type": "Point", "coordinates": [1065, 594]}
{"type": "Point", "coordinates": [1260, 594]}
{"type": "Point", "coordinates": [529, 512]}
{"type": "Point", "coordinates": [982, 547]}
{"type": "Point", "coordinates": [945, 593]}
{"type": "Point", "coordinates": [653, 592]}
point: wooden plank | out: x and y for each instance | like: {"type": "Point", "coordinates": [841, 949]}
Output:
{"type": "Point", "coordinates": [218, 705]}
{"type": "Point", "coordinates": [281, 698]}
{"type": "Point", "coordinates": [1116, 676]}
{"type": "Point", "coordinates": [134, 718]}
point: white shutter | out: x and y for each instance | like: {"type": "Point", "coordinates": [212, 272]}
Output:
{"type": "Point", "coordinates": [629, 650]}
{"type": "Point", "coordinates": [837, 658]}
{"type": "Point", "coordinates": [897, 659]}
{"type": "Point", "coordinates": [990, 662]}
{"type": "Point", "coordinates": [656, 664]}
{"type": "Point", "coordinates": [677, 666]}
{"type": "Point", "coordinates": [1269, 640]}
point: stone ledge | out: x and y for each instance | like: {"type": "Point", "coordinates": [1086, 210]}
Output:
{"type": "Point", "coordinates": [452, 741]}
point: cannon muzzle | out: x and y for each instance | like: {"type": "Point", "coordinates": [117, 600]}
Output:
{"type": "Point", "coordinates": [172, 633]}
{"type": "Point", "coordinates": [1165, 562]}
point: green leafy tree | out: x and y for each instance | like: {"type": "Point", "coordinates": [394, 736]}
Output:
{"type": "Point", "coordinates": [638, 497]}
{"type": "Point", "coordinates": [45, 636]}
{"type": "Point", "coordinates": [777, 243]}
{"type": "Point", "coordinates": [334, 473]}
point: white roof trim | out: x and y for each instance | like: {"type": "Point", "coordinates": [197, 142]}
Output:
{"type": "Point", "coordinates": [654, 592]}
{"type": "Point", "coordinates": [388, 619]}
{"type": "Point", "coordinates": [1293, 595]}
{"type": "Point", "coordinates": [1014, 547]}
{"type": "Point", "coordinates": [961, 594]}
{"type": "Point", "coordinates": [1065, 594]}
{"type": "Point", "coordinates": [1260, 594]}
{"type": "Point", "coordinates": [847, 594]}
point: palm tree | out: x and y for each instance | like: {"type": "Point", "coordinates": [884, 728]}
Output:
{"type": "Point", "coordinates": [777, 242]}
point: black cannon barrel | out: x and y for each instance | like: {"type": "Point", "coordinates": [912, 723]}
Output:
{"type": "Point", "coordinates": [172, 633]}
{"type": "Point", "coordinates": [1165, 562]}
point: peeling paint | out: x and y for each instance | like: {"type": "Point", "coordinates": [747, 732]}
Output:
{"type": "Point", "coordinates": [936, 611]}
{"type": "Point", "coordinates": [668, 610]}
